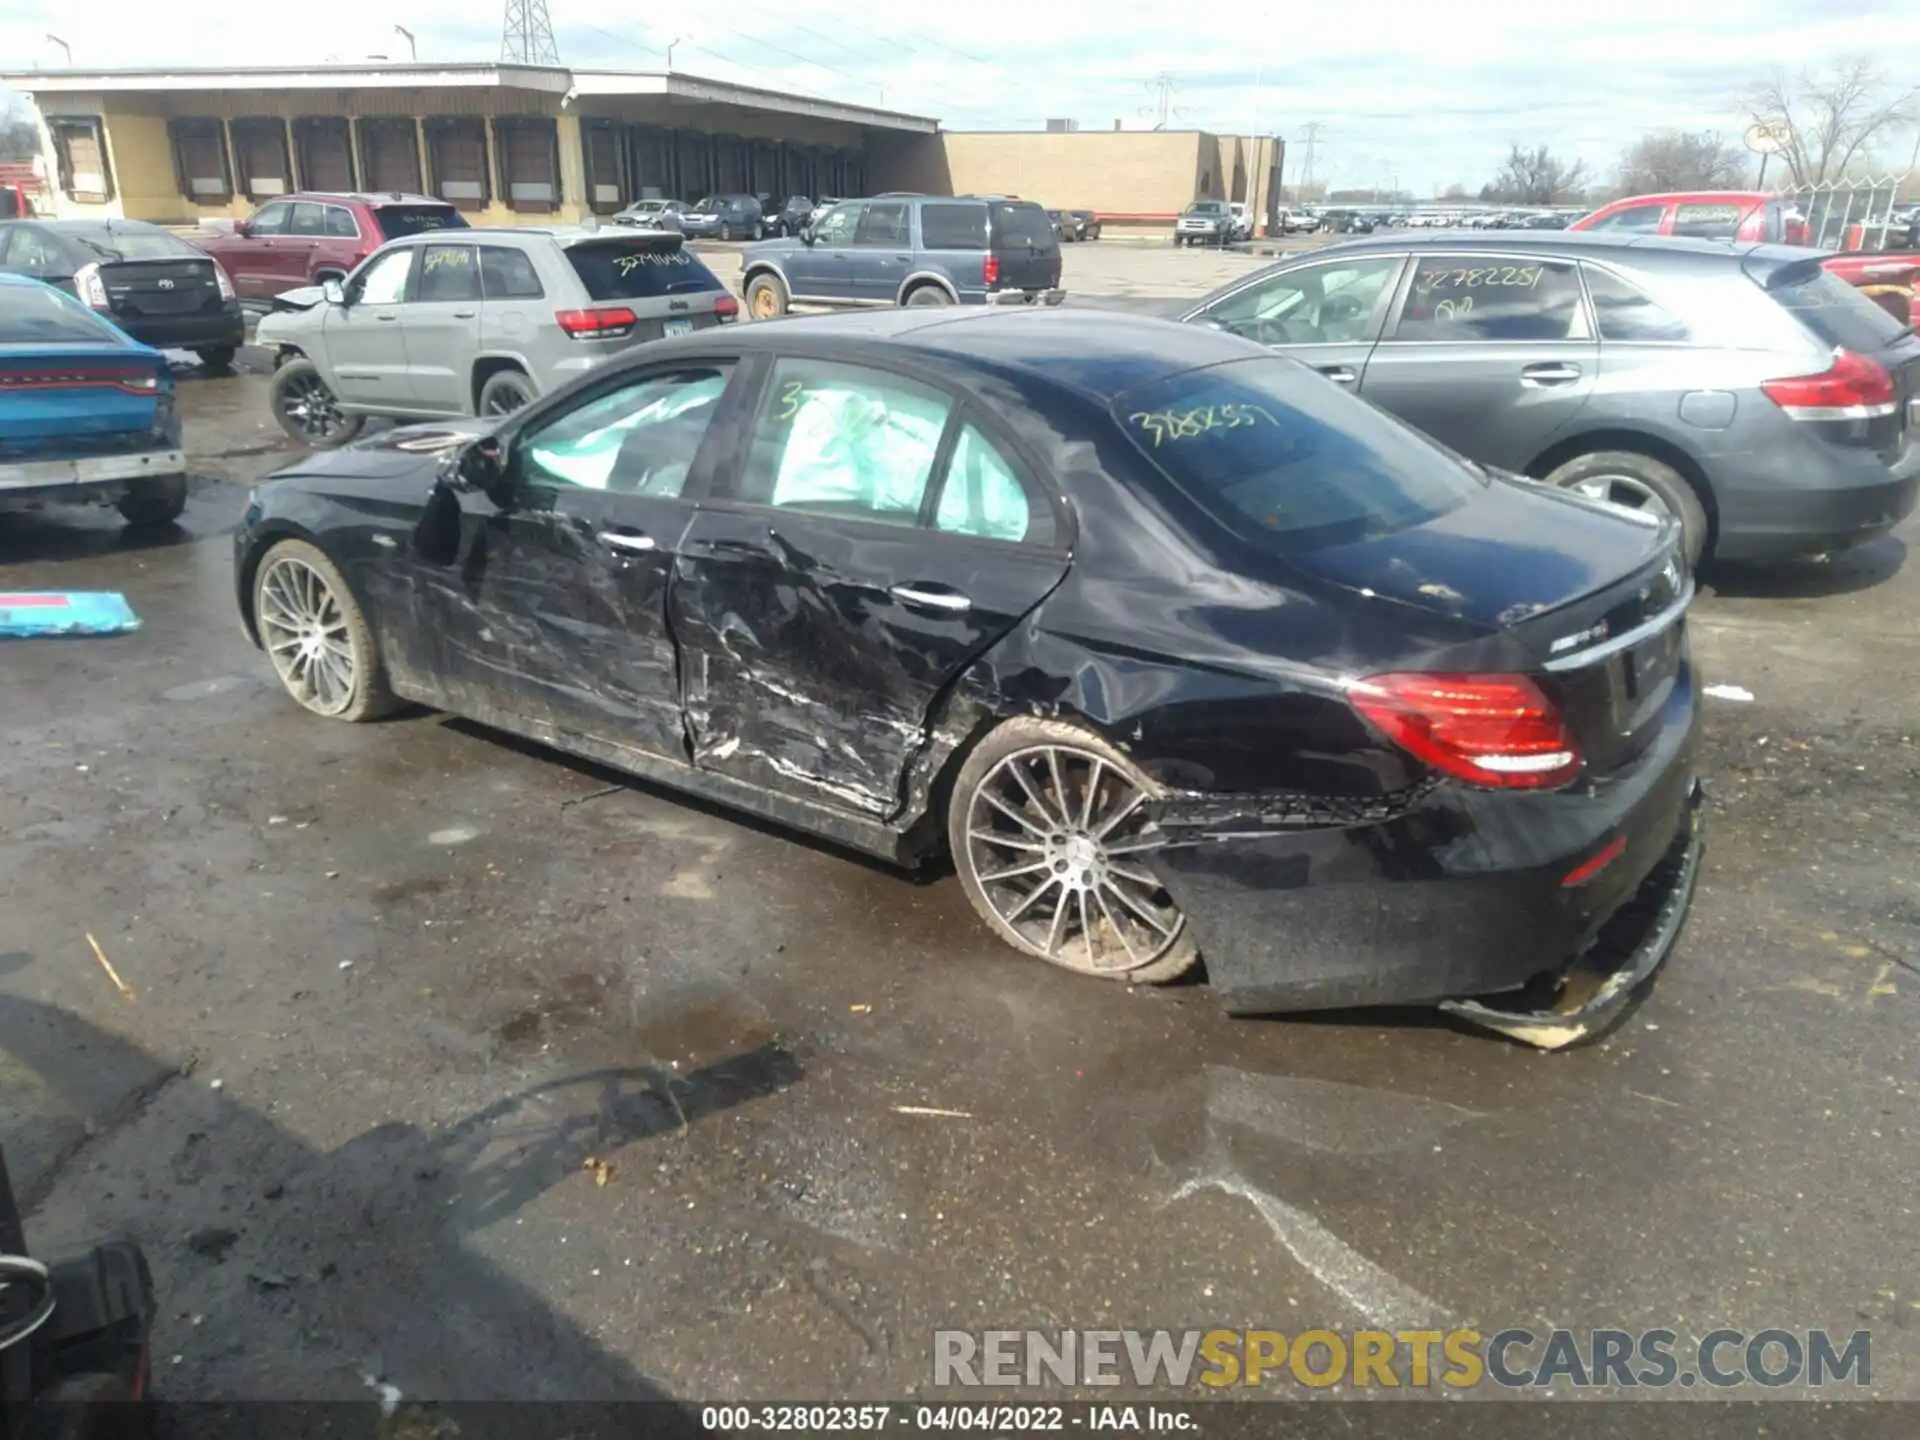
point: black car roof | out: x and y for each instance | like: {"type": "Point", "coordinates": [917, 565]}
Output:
{"type": "Point", "coordinates": [1100, 353]}
{"type": "Point", "coordinates": [105, 222]}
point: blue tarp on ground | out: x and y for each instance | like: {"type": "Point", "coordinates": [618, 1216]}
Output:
{"type": "Point", "coordinates": [72, 612]}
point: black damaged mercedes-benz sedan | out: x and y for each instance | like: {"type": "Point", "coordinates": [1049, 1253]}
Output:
{"type": "Point", "coordinates": [1175, 648]}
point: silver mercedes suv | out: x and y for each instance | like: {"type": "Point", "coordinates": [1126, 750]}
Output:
{"type": "Point", "coordinates": [476, 322]}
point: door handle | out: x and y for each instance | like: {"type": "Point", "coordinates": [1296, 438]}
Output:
{"type": "Point", "coordinates": [387, 315]}
{"type": "Point", "coordinates": [1553, 372]}
{"type": "Point", "coordinates": [946, 600]}
{"type": "Point", "coordinates": [464, 314]}
{"type": "Point", "coordinates": [1339, 374]}
{"type": "Point", "coordinates": [619, 540]}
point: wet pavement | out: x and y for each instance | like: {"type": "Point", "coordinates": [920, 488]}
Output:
{"type": "Point", "coordinates": [454, 1061]}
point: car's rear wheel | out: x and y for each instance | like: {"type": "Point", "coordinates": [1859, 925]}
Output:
{"type": "Point", "coordinates": [505, 393]}
{"type": "Point", "coordinates": [928, 295]}
{"type": "Point", "coordinates": [154, 502]}
{"type": "Point", "coordinates": [766, 297]}
{"type": "Point", "coordinates": [307, 408]}
{"type": "Point", "coordinates": [1047, 826]}
{"type": "Point", "coordinates": [316, 635]}
{"type": "Point", "coordinates": [217, 358]}
{"type": "Point", "coordinates": [1638, 482]}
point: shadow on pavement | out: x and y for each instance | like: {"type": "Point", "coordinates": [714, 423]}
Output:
{"type": "Point", "coordinates": [353, 1269]}
{"type": "Point", "coordinates": [72, 532]}
{"type": "Point", "coordinates": [1844, 573]}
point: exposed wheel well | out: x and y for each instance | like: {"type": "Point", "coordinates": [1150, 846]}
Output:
{"type": "Point", "coordinates": [925, 282]}
{"type": "Point", "coordinates": [485, 370]}
{"type": "Point", "coordinates": [766, 271]}
{"type": "Point", "coordinates": [1648, 445]}
{"type": "Point", "coordinates": [320, 277]}
{"type": "Point", "coordinates": [286, 353]}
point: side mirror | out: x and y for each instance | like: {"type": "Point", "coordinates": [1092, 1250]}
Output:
{"type": "Point", "coordinates": [333, 292]}
{"type": "Point", "coordinates": [806, 234]}
{"type": "Point", "coordinates": [243, 228]}
{"type": "Point", "coordinates": [482, 466]}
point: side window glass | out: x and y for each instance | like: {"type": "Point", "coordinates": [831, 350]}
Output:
{"type": "Point", "coordinates": [1634, 217]}
{"type": "Point", "coordinates": [270, 220]}
{"type": "Point", "coordinates": [1319, 305]}
{"type": "Point", "coordinates": [842, 440]}
{"type": "Point", "coordinates": [28, 252]}
{"type": "Point", "coordinates": [340, 223]}
{"type": "Point", "coordinates": [448, 272]}
{"type": "Point", "coordinates": [1624, 313]}
{"type": "Point", "coordinates": [885, 224]}
{"type": "Point", "coordinates": [508, 274]}
{"type": "Point", "coordinates": [383, 280]}
{"type": "Point", "coordinates": [981, 496]}
{"type": "Point", "coordinates": [307, 220]}
{"type": "Point", "coordinates": [638, 440]}
{"type": "Point", "coordinates": [1470, 298]}
{"type": "Point", "coordinates": [837, 226]}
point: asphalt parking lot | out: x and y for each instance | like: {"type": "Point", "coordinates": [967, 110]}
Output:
{"type": "Point", "coordinates": [456, 1063]}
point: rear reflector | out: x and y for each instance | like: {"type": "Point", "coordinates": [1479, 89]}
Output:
{"type": "Point", "coordinates": [1852, 388]}
{"type": "Point", "coordinates": [726, 308]}
{"type": "Point", "coordinates": [607, 323]}
{"type": "Point", "coordinates": [1587, 869]}
{"type": "Point", "coordinates": [1497, 731]}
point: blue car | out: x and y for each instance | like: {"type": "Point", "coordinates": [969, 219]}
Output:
{"type": "Point", "coordinates": [87, 413]}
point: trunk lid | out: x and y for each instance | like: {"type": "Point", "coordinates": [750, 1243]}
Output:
{"type": "Point", "coordinates": [78, 399]}
{"type": "Point", "coordinates": [1595, 597]}
{"type": "Point", "coordinates": [138, 288]}
{"type": "Point", "coordinates": [1022, 239]}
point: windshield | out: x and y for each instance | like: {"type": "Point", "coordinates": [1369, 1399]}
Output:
{"type": "Point", "coordinates": [35, 314]}
{"type": "Point", "coordinates": [398, 220]}
{"type": "Point", "coordinates": [1206, 207]}
{"type": "Point", "coordinates": [640, 269]}
{"type": "Point", "coordinates": [111, 244]}
{"type": "Point", "coordinates": [1284, 459]}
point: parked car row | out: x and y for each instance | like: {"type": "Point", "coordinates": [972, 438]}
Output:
{"type": "Point", "coordinates": [722, 217]}
{"type": "Point", "coordinates": [1075, 225]}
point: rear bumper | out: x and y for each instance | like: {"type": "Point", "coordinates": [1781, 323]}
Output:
{"type": "Point", "coordinates": [184, 332]}
{"type": "Point", "coordinates": [1024, 297]}
{"type": "Point", "coordinates": [40, 479]}
{"type": "Point", "coordinates": [1446, 894]}
{"type": "Point", "coordinates": [1792, 518]}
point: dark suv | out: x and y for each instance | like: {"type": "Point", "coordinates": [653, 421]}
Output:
{"type": "Point", "coordinates": [910, 250]}
{"type": "Point", "coordinates": [310, 238]}
{"type": "Point", "coordinates": [725, 217]}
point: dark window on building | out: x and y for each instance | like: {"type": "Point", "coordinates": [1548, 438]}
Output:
{"type": "Point", "coordinates": [694, 152]}
{"type": "Point", "coordinates": [324, 148]}
{"type": "Point", "coordinates": [650, 169]}
{"type": "Point", "coordinates": [260, 158]}
{"type": "Point", "coordinates": [508, 274]}
{"type": "Point", "coordinates": [80, 150]}
{"type": "Point", "coordinates": [457, 152]}
{"type": "Point", "coordinates": [529, 150]}
{"type": "Point", "coordinates": [600, 142]}
{"type": "Point", "coordinates": [390, 155]}
{"type": "Point", "coordinates": [200, 159]}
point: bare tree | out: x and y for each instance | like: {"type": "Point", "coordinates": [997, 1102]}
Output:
{"type": "Point", "coordinates": [1536, 177]}
{"type": "Point", "coordinates": [1829, 118]}
{"type": "Point", "coordinates": [1680, 160]}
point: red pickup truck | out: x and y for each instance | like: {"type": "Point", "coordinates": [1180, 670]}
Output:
{"type": "Point", "coordinates": [1890, 277]}
{"type": "Point", "coordinates": [308, 238]}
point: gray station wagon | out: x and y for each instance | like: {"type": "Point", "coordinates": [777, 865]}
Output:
{"type": "Point", "coordinates": [910, 250]}
{"type": "Point", "coordinates": [477, 322]}
{"type": "Point", "coordinates": [1763, 402]}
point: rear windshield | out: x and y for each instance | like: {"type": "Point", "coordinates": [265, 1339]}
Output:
{"type": "Point", "coordinates": [398, 220]}
{"type": "Point", "coordinates": [132, 244]}
{"type": "Point", "coordinates": [640, 269]}
{"type": "Point", "coordinates": [34, 314]}
{"type": "Point", "coordinates": [1016, 224]}
{"type": "Point", "coordinates": [1835, 311]}
{"type": "Point", "coordinates": [1288, 461]}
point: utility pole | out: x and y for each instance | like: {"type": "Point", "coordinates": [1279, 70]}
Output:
{"type": "Point", "coordinates": [1311, 131]}
{"type": "Point", "coordinates": [1163, 85]}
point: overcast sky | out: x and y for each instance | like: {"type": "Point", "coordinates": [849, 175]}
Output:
{"type": "Point", "coordinates": [1430, 95]}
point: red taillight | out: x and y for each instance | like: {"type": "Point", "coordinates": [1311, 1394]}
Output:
{"type": "Point", "coordinates": [607, 323]}
{"type": "Point", "coordinates": [990, 271]}
{"type": "Point", "coordinates": [1499, 731]}
{"type": "Point", "coordinates": [726, 308]}
{"type": "Point", "coordinates": [1591, 867]}
{"type": "Point", "coordinates": [1852, 388]}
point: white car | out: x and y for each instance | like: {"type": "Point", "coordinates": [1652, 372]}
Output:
{"type": "Point", "coordinates": [1242, 228]}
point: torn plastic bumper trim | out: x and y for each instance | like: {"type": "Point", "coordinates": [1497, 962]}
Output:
{"type": "Point", "coordinates": [1674, 878]}
{"type": "Point", "coordinates": [1188, 815]}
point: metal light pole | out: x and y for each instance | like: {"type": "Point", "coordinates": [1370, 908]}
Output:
{"type": "Point", "coordinates": [413, 50]}
{"type": "Point", "coordinates": [675, 41]}
{"type": "Point", "coordinates": [64, 46]}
